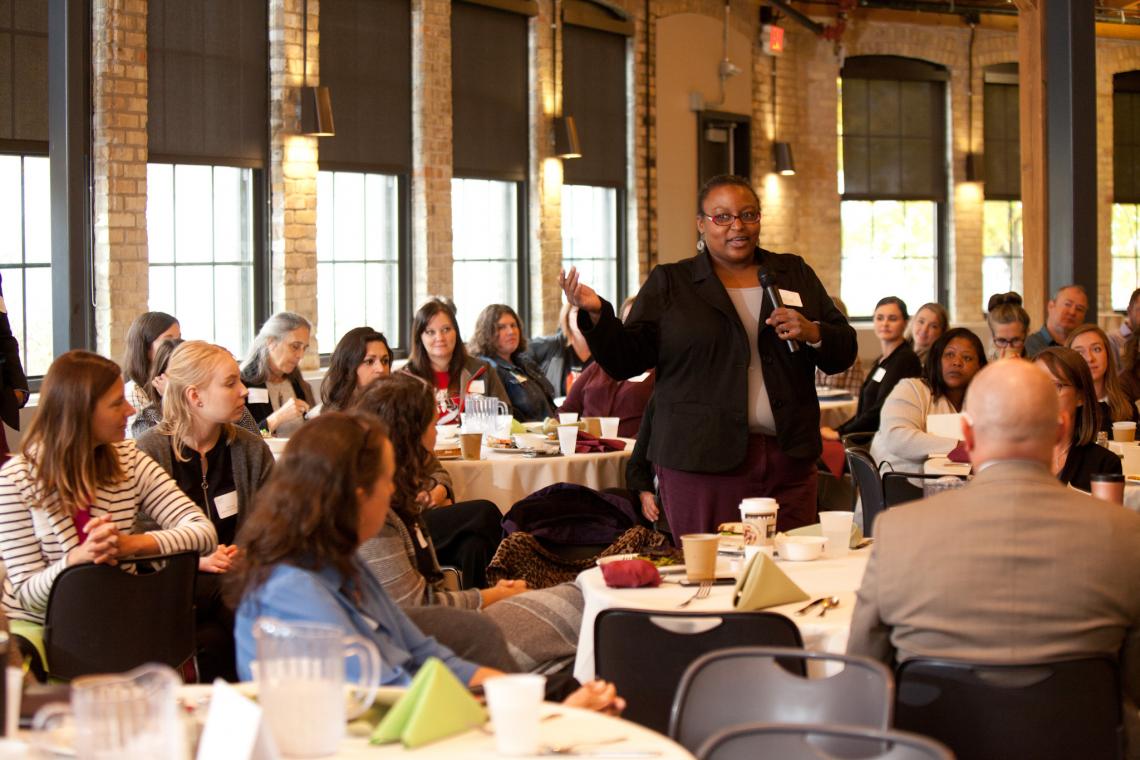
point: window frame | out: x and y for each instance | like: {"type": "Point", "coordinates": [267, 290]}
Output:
{"type": "Point", "coordinates": [621, 248]}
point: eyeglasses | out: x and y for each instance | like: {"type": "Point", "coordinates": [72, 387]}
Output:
{"type": "Point", "coordinates": [726, 220]}
{"type": "Point", "coordinates": [1009, 342]}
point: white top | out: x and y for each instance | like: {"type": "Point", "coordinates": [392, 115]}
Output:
{"type": "Point", "coordinates": [748, 303]}
{"type": "Point", "coordinates": [902, 439]}
{"type": "Point", "coordinates": [36, 533]}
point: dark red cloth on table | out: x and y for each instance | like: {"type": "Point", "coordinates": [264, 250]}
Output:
{"type": "Point", "coordinates": [596, 394]}
{"type": "Point", "coordinates": [630, 573]}
{"type": "Point", "coordinates": [697, 502]}
{"type": "Point", "coordinates": [960, 453]}
{"type": "Point", "coordinates": [833, 457]}
{"type": "Point", "coordinates": [591, 444]}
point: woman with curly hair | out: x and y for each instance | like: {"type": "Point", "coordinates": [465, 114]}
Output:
{"type": "Point", "coordinates": [361, 356]}
{"type": "Point", "coordinates": [541, 627]}
{"type": "Point", "coordinates": [439, 358]}
{"type": "Point", "coordinates": [499, 341]}
{"type": "Point", "coordinates": [463, 535]}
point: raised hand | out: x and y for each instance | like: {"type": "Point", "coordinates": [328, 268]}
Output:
{"type": "Point", "coordinates": [578, 293]}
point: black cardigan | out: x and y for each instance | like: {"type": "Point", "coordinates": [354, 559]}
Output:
{"type": "Point", "coordinates": [684, 325]}
{"type": "Point", "coordinates": [1085, 461]}
{"type": "Point", "coordinates": [902, 362]}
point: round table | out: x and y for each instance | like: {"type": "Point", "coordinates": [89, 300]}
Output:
{"type": "Point", "coordinates": [505, 478]}
{"type": "Point", "coordinates": [833, 412]}
{"type": "Point", "coordinates": [822, 577]}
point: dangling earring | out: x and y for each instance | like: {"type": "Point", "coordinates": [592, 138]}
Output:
{"type": "Point", "coordinates": [700, 245]}
{"type": "Point", "coordinates": [200, 405]}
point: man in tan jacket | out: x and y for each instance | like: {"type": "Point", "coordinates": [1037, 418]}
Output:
{"type": "Point", "coordinates": [1013, 567]}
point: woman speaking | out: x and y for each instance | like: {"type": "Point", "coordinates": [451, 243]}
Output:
{"type": "Point", "coordinates": [736, 412]}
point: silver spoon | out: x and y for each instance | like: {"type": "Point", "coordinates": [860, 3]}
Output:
{"type": "Point", "coordinates": [828, 603]}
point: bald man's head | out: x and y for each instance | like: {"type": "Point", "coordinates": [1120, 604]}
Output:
{"type": "Point", "coordinates": [1013, 413]}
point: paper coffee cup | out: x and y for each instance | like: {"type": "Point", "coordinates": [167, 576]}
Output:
{"type": "Point", "coordinates": [471, 445]}
{"type": "Point", "coordinates": [1124, 431]}
{"type": "Point", "coordinates": [700, 555]}
{"type": "Point", "coordinates": [759, 517]}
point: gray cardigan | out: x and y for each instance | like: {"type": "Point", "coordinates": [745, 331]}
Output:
{"type": "Point", "coordinates": [249, 454]}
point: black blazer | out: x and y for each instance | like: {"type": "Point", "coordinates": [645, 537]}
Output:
{"type": "Point", "coordinates": [903, 362]}
{"type": "Point", "coordinates": [684, 324]}
{"type": "Point", "coordinates": [1085, 461]}
{"type": "Point", "coordinates": [12, 377]}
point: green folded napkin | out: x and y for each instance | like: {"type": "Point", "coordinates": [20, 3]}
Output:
{"type": "Point", "coordinates": [817, 530]}
{"type": "Point", "coordinates": [763, 584]}
{"type": "Point", "coordinates": [435, 706]}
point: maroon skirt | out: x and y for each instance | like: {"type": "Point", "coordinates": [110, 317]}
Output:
{"type": "Point", "coordinates": [697, 502]}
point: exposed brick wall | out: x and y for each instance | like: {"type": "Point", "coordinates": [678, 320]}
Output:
{"type": "Point", "coordinates": [545, 189]}
{"type": "Point", "coordinates": [293, 165]}
{"type": "Point", "coordinates": [120, 150]}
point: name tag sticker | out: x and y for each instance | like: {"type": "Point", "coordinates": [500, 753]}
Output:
{"type": "Point", "coordinates": [880, 373]}
{"type": "Point", "coordinates": [257, 396]}
{"type": "Point", "coordinates": [226, 504]}
{"type": "Point", "coordinates": [477, 386]}
{"type": "Point", "coordinates": [791, 298]}
{"type": "Point", "coordinates": [639, 378]}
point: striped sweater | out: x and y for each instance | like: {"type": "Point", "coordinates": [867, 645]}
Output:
{"type": "Point", "coordinates": [36, 533]}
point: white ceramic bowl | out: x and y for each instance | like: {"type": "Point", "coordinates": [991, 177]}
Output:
{"type": "Point", "coordinates": [800, 548]}
{"type": "Point", "coordinates": [533, 441]}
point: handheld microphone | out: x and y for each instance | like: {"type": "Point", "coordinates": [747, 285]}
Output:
{"type": "Point", "coordinates": [773, 294]}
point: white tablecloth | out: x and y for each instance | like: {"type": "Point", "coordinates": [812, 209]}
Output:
{"type": "Point", "coordinates": [833, 412]}
{"type": "Point", "coordinates": [507, 478]}
{"type": "Point", "coordinates": [571, 727]}
{"type": "Point", "coordinates": [824, 577]}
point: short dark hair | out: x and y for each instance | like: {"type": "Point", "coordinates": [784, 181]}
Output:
{"type": "Point", "coordinates": [896, 301]}
{"type": "Point", "coordinates": [932, 372]}
{"type": "Point", "coordinates": [722, 180]}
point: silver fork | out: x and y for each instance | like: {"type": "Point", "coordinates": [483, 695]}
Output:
{"type": "Point", "coordinates": [702, 593]}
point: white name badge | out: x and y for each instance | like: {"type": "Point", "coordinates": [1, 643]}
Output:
{"type": "Point", "coordinates": [639, 378]}
{"type": "Point", "coordinates": [880, 373]}
{"type": "Point", "coordinates": [226, 504]}
{"type": "Point", "coordinates": [258, 396]}
{"type": "Point", "coordinates": [477, 386]}
{"type": "Point", "coordinates": [791, 298]}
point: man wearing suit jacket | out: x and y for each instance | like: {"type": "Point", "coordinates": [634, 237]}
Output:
{"type": "Point", "coordinates": [1012, 567]}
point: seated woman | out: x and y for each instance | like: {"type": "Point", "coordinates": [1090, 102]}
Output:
{"type": "Point", "coordinates": [1078, 456]}
{"type": "Point", "coordinates": [219, 466]}
{"type": "Point", "coordinates": [1113, 403]}
{"type": "Point", "coordinates": [73, 494]}
{"type": "Point", "coordinates": [279, 398]}
{"type": "Point", "coordinates": [463, 535]}
{"type": "Point", "coordinates": [500, 342]}
{"type": "Point", "coordinates": [144, 336]}
{"type": "Point", "coordinates": [902, 439]}
{"type": "Point", "coordinates": [330, 493]}
{"type": "Point", "coordinates": [151, 414]}
{"type": "Point", "coordinates": [361, 356]}
{"type": "Point", "coordinates": [896, 362]}
{"type": "Point", "coordinates": [1009, 326]}
{"type": "Point", "coordinates": [540, 627]}
{"type": "Point", "coordinates": [596, 394]}
{"type": "Point", "coordinates": [439, 358]}
{"type": "Point", "coordinates": [929, 323]}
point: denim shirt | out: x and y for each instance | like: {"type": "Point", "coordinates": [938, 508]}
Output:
{"type": "Point", "coordinates": [292, 593]}
{"type": "Point", "coordinates": [530, 392]}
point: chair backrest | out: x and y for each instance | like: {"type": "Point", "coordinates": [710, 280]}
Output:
{"type": "Point", "coordinates": [1057, 710]}
{"type": "Point", "coordinates": [101, 619]}
{"type": "Point", "coordinates": [869, 483]}
{"type": "Point", "coordinates": [645, 653]}
{"type": "Point", "coordinates": [749, 684]}
{"type": "Point", "coordinates": [789, 741]}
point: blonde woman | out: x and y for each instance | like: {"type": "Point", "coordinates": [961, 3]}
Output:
{"type": "Point", "coordinates": [1093, 345]}
{"type": "Point", "coordinates": [218, 465]}
{"type": "Point", "coordinates": [73, 493]}
{"type": "Point", "coordinates": [930, 321]}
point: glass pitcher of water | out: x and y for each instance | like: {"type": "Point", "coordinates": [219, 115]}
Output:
{"type": "Point", "coordinates": [300, 677]}
{"type": "Point", "coordinates": [128, 716]}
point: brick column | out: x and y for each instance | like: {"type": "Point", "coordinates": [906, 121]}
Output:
{"type": "Point", "coordinates": [119, 121]}
{"type": "Point", "coordinates": [293, 166]}
{"type": "Point", "coordinates": [545, 191]}
{"type": "Point", "coordinates": [431, 149]}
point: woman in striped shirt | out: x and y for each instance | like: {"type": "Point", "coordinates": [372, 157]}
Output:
{"type": "Point", "coordinates": [73, 493]}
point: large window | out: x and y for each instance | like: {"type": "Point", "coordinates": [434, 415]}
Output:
{"type": "Point", "coordinates": [1002, 256]}
{"type": "Point", "coordinates": [590, 232]}
{"type": "Point", "coordinates": [357, 254]}
{"type": "Point", "coordinates": [888, 249]}
{"type": "Point", "coordinates": [1125, 253]}
{"type": "Point", "coordinates": [893, 180]}
{"type": "Point", "coordinates": [25, 256]}
{"type": "Point", "coordinates": [485, 224]}
{"type": "Point", "coordinates": [200, 235]}
{"type": "Point", "coordinates": [1001, 240]}
{"type": "Point", "coordinates": [1126, 187]}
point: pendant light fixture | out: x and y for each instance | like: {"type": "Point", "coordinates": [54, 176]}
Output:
{"type": "Point", "coordinates": [316, 102]}
{"type": "Point", "coordinates": [566, 144]}
{"type": "Point", "coordinates": [782, 161]}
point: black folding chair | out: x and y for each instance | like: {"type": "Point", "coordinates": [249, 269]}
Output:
{"type": "Point", "coordinates": [1046, 711]}
{"type": "Point", "coordinates": [102, 619]}
{"type": "Point", "coordinates": [756, 684]}
{"type": "Point", "coordinates": [645, 653]}
{"type": "Point", "coordinates": [788, 741]}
